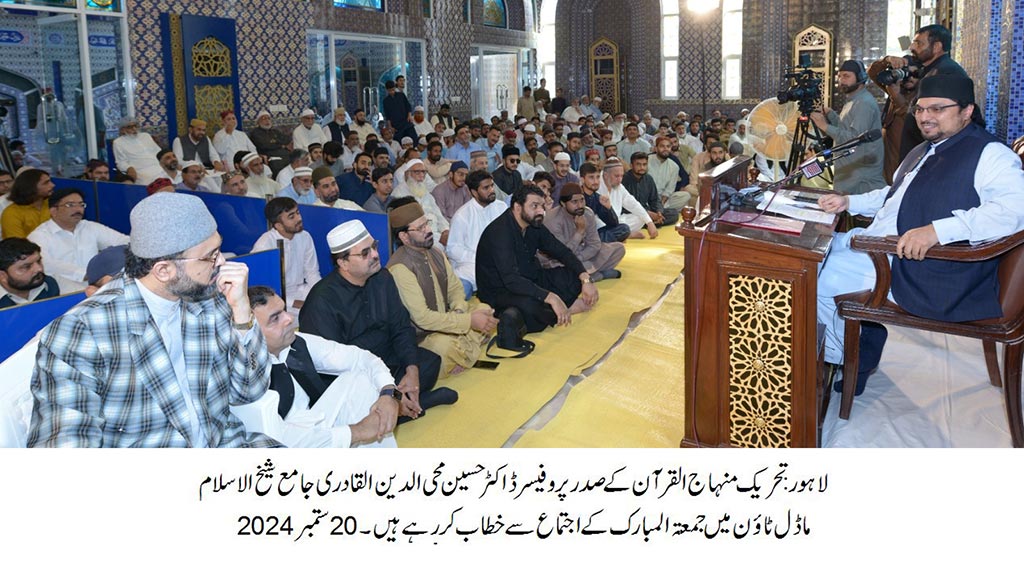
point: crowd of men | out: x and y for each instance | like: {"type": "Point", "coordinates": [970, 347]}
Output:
{"type": "Point", "coordinates": [174, 348]}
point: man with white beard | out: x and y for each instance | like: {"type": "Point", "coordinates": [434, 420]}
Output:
{"type": "Point", "coordinates": [135, 153]}
{"type": "Point", "coordinates": [308, 132]}
{"type": "Point", "coordinates": [411, 179]}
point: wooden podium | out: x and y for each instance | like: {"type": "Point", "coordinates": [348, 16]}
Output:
{"type": "Point", "coordinates": [754, 375]}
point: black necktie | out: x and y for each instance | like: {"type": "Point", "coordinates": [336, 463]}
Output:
{"type": "Point", "coordinates": [281, 382]}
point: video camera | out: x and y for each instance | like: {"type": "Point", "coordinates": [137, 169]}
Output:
{"type": "Point", "coordinates": [893, 75]}
{"type": "Point", "coordinates": [801, 85]}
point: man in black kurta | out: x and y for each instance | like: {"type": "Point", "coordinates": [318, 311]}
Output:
{"type": "Point", "coordinates": [358, 304]}
{"type": "Point", "coordinates": [508, 273]}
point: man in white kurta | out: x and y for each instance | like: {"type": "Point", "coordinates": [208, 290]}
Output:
{"type": "Point", "coordinates": [135, 153]}
{"type": "Point", "coordinates": [412, 180]}
{"type": "Point", "coordinates": [355, 409]}
{"type": "Point", "coordinates": [258, 182]}
{"type": "Point", "coordinates": [301, 270]}
{"type": "Point", "coordinates": [665, 173]}
{"type": "Point", "coordinates": [468, 225]}
{"type": "Point", "coordinates": [68, 241]}
{"type": "Point", "coordinates": [308, 132]}
{"type": "Point", "coordinates": [229, 140]}
{"type": "Point", "coordinates": [621, 200]}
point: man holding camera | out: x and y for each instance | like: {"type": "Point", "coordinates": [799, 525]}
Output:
{"type": "Point", "coordinates": [900, 87]}
{"type": "Point", "coordinates": [929, 56]}
{"type": "Point", "coordinates": [862, 171]}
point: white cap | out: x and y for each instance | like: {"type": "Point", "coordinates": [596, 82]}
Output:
{"type": "Point", "coordinates": [418, 108]}
{"type": "Point", "coordinates": [521, 121]}
{"type": "Point", "coordinates": [597, 99]}
{"type": "Point", "coordinates": [346, 235]}
{"type": "Point", "coordinates": [307, 113]}
{"type": "Point", "coordinates": [562, 157]}
{"type": "Point", "coordinates": [530, 129]}
{"type": "Point", "coordinates": [189, 163]}
{"type": "Point", "coordinates": [303, 172]}
{"type": "Point", "coordinates": [406, 141]}
{"type": "Point", "coordinates": [262, 113]}
{"type": "Point", "coordinates": [448, 133]}
{"type": "Point", "coordinates": [250, 158]}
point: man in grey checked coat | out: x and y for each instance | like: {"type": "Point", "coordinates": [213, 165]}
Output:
{"type": "Point", "coordinates": [157, 356]}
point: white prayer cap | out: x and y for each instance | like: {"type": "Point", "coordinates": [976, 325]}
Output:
{"type": "Point", "coordinates": [346, 235]}
{"type": "Point", "coordinates": [262, 113]}
{"type": "Point", "coordinates": [189, 163]}
{"type": "Point", "coordinates": [599, 124]}
{"type": "Point", "coordinates": [522, 120]}
{"type": "Point", "coordinates": [597, 99]}
{"type": "Point", "coordinates": [448, 133]}
{"type": "Point", "coordinates": [406, 141]}
{"type": "Point", "coordinates": [743, 122]}
{"type": "Point", "coordinates": [250, 158]}
{"type": "Point", "coordinates": [303, 172]}
{"type": "Point", "coordinates": [562, 157]}
{"type": "Point", "coordinates": [307, 113]}
{"type": "Point", "coordinates": [418, 109]}
{"type": "Point", "coordinates": [606, 116]}
{"type": "Point", "coordinates": [530, 129]}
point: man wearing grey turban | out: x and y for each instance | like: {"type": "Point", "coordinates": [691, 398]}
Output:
{"type": "Point", "coordinates": [155, 359]}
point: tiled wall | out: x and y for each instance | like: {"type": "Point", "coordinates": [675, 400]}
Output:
{"type": "Point", "coordinates": [272, 45]}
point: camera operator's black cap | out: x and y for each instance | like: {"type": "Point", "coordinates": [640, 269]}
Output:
{"type": "Point", "coordinates": [951, 86]}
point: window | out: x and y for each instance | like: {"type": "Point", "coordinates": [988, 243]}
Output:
{"type": "Point", "coordinates": [428, 8]}
{"type": "Point", "coordinates": [495, 13]}
{"type": "Point", "coordinates": [364, 4]}
{"type": "Point", "coordinates": [900, 22]}
{"type": "Point", "coordinates": [546, 42]}
{"type": "Point", "coordinates": [670, 49]}
{"type": "Point", "coordinates": [732, 47]}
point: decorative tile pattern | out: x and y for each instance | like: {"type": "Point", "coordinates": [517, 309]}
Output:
{"type": "Point", "coordinates": [1012, 59]}
{"type": "Point", "coordinates": [272, 47]}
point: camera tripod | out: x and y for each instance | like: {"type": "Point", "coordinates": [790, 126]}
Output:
{"type": "Point", "coordinates": [806, 131]}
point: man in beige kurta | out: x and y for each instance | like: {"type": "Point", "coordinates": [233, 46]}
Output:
{"type": "Point", "coordinates": [433, 294]}
{"type": "Point", "coordinates": [575, 225]}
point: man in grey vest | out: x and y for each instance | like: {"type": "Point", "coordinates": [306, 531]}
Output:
{"type": "Point", "coordinates": [196, 146]}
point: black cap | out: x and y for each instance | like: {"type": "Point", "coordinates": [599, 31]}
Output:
{"type": "Point", "coordinates": [950, 86]}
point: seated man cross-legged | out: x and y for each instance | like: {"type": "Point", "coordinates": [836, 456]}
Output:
{"type": "Point", "coordinates": [508, 273]}
{"type": "Point", "coordinates": [358, 304]}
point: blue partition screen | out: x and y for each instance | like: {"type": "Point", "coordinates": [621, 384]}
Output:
{"type": "Point", "coordinates": [318, 221]}
{"type": "Point", "coordinates": [264, 268]}
{"type": "Point", "coordinates": [240, 220]}
{"type": "Point", "coordinates": [114, 203]}
{"type": "Point", "coordinates": [20, 323]}
{"type": "Point", "coordinates": [88, 190]}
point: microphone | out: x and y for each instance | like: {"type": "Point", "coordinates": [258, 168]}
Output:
{"type": "Point", "coordinates": [868, 136]}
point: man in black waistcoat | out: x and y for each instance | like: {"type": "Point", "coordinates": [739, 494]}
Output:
{"type": "Point", "coordinates": [326, 394]}
{"type": "Point", "coordinates": [961, 184]}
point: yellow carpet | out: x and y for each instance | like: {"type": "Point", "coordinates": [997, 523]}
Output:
{"type": "Point", "coordinates": [635, 398]}
{"type": "Point", "coordinates": [493, 404]}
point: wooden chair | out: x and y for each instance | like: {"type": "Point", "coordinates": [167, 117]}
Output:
{"type": "Point", "coordinates": [874, 306]}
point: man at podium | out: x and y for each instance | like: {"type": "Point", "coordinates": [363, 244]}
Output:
{"type": "Point", "coordinates": [961, 184]}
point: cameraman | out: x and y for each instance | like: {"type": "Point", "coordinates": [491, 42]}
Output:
{"type": "Point", "coordinates": [897, 104]}
{"type": "Point", "coordinates": [930, 53]}
{"type": "Point", "coordinates": [862, 171]}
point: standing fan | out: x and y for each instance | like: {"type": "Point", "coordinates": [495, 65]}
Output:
{"type": "Point", "coordinates": [772, 128]}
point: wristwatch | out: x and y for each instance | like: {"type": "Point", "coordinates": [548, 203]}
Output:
{"type": "Point", "coordinates": [392, 392]}
{"type": "Point", "coordinates": [247, 325]}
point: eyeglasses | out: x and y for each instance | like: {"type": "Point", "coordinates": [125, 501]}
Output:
{"type": "Point", "coordinates": [212, 258]}
{"type": "Point", "coordinates": [425, 227]}
{"type": "Point", "coordinates": [513, 160]}
{"type": "Point", "coordinates": [365, 253]}
{"type": "Point", "coordinates": [72, 205]}
{"type": "Point", "coordinates": [931, 110]}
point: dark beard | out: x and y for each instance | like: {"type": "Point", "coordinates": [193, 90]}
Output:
{"type": "Point", "coordinates": [37, 280]}
{"type": "Point", "coordinates": [188, 290]}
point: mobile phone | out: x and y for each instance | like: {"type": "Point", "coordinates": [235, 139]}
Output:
{"type": "Point", "coordinates": [489, 365]}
